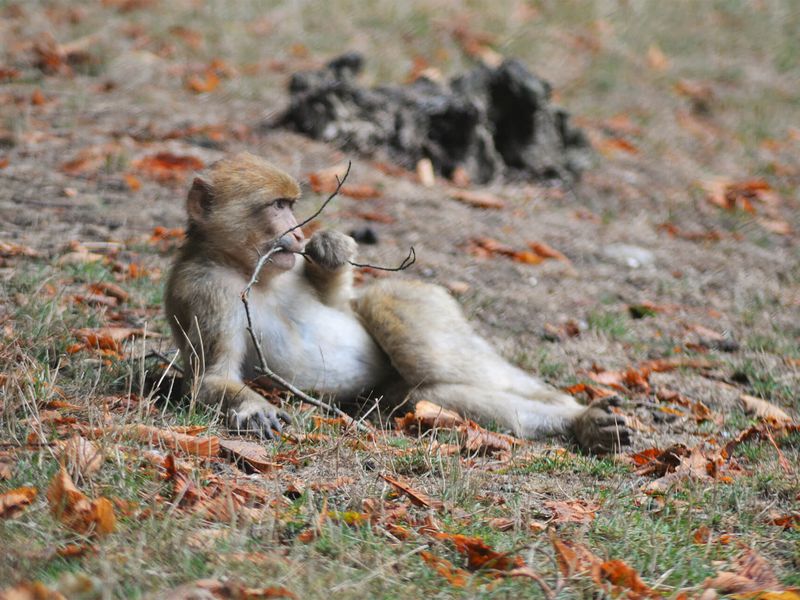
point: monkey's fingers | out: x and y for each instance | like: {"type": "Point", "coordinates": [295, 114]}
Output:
{"type": "Point", "coordinates": [614, 436]}
{"type": "Point", "coordinates": [284, 416]}
{"type": "Point", "coordinates": [610, 419]}
{"type": "Point", "coordinates": [265, 425]}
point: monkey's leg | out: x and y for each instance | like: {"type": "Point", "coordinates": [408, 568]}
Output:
{"type": "Point", "coordinates": [525, 417]}
{"type": "Point", "coordinates": [595, 428]}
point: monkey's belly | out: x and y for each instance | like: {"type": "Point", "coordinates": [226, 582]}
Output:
{"type": "Point", "coordinates": [327, 351]}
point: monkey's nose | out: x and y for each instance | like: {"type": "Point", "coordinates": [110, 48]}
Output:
{"type": "Point", "coordinates": [298, 234]}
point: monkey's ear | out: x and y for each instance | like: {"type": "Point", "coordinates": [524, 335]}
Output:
{"type": "Point", "coordinates": [200, 200]}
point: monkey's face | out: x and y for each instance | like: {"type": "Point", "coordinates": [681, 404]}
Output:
{"type": "Point", "coordinates": [245, 211]}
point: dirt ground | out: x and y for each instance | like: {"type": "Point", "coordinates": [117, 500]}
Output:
{"type": "Point", "coordinates": [680, 244]}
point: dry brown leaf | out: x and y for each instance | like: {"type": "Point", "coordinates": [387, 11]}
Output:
{"type": "Point", "coordinates": [253, 455]}
{"type": "Point", "coordinates": [75, 510]}
{"type": "Point", "coordinates": [479, 199]}
{"type": "Point", "coordinates": [545, 251]}
{"type": "Point", "coordinates": [28, 590]}
{"type": "Point", "coordinates": [9, 249]}
{"type": "Point", "coordinates": [753, 574]}
{"type": "Point", "coordinates": [81, 457]}
{"type": "Point", "coordinates": [203, 83]}
{"type": "Point", "coordinates": [212, 589]}
{"type": "Point", "coordinates": [417, 497]}
{"type": "Point", "coordinates": [331, 486]}
{"type": "Point", "coordinates": [656, 59]}
{"type": "Point", "coordinates": [14, 502]}
{"type": "Point", "coordinates": [573, 558]}
{"type": "Point", "coordinates": [428, 415]}
{"type": "Point", "coordinates": [455, 576]}
{"type": "Point", "coordinates": [477, 439]}
{"type": "Point", "coordinates": [763, 409]}
{"type": "Point", "coordinates": [197, 445]}
{"type": "Point", "coordinates": [168, 167]}
{"type": "Point", "coordinates": [479, 554]}
{"type": "Point", "coordinates": [572, 511]}
{"type": "Point", "coordinates": [501, 523]}
{"type": "Point", "coordinates": [621, 575]}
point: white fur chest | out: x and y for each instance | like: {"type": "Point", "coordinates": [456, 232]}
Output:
{"type": "Point", "coordinates": [315, 346]}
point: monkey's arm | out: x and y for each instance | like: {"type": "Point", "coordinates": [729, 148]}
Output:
{"type": "Point", "coordinates": [328, 268]}
{"type": "Point", "coordinates": [213, 339]}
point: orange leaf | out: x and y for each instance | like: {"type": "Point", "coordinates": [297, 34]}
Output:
{"type": "Point", "coordinates": [478, 199]}
{"type": "Point", "coordinates": [479, 554]}
{"type": "Point", "coordinates": [418, 498]}
{"type": "Point", "coordinates": [543, 250]}
{"type": "Point", "coordinates": [456, 577]}
{"type": "Point", "coordinates": [168, 167]}
{"type": "Point", "coordinates": [14, 502]}
{"type": "Point", "coordinates": [75, 510]}
{"type": "Point", "coordinates": [620, 574]}
{"type": "Point", "coordinates": [202, 84]}
{"type": "Point", "coordinates": [254, 455]}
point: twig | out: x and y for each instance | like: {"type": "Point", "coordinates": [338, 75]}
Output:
{"type": "Point", "coordinates": [262, 367]}
{"type": "Point", "coordinates": [407, 262]}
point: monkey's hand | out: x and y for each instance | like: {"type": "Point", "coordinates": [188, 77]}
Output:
{"type": "Point", "coordinates": [600, 430]}
{"type": "Point", "coordinates": [331, 250]}
{"type": "Point", "coordinates": [255, 415]}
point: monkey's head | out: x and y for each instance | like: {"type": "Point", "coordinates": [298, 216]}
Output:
{"type": "Point", "coordinates": [241, 208]}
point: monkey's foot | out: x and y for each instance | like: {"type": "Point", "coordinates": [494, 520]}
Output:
{"type": "Point", "coordinates": [600, 430]}
{"type": "Point", "coordinates": [257, 416]}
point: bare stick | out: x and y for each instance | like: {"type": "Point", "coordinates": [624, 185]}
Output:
{"type": "Point", "coordinates": [407, 262]}
{"type": "Point", "coordinates": [262, 368]}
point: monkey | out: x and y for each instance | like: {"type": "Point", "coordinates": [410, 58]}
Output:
{"type": "Point", "coordinates": [398, 339]}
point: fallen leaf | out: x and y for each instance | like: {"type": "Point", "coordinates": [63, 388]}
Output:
{"type": "Point", "coordinates": [792, 520]}
{"type": "Point", "coordinates": [251, 454]}
{"type": "Point", "coordinates": [417, 497]}
{"type": "Point", "coordinates": [212, 589]}
{"type": "Point", "coordinates": [763, 409]}
{"type": "Point", "coordinates": [573, 558]}
{"type": "Point", "coordinates": [479, 199]}
{"type": "Point", "coordinates": [479, 554]}
{"type": "Point", "coordinates": [14, 502]}
{"type": "Point", "coordinates": [622, 575]}
{"type": "Point", "coordinates": [332, 486]}
{"type": "Point", "coordinates": [428, 415]}
{"type": "Point", "coordinates": [476, 439]}
{"type": "Point", "coordinates": [132, 182]}
{"type": "Point", "coordinates": [656, 59]}
{"type": "Point", "coordinates": [9, 249]}
{"type": "Point", "coordinates": [544, 251]}
{"type": "Point", "coordinates": [572, 511]}
{"type": "Point", "coordinates": [203, 83]}
{"type": "Point", "coordinates": [81, 457]}
{"type": "Point", "coordinates": [455, 576]}
{"type": "Point", "coordinates": [753, 574]}
{"type": "Point", "coordinates": [167, 167]}
{"type": "Point", "coordinates": [28, 590]}
{"type": "Point", "coordinates": [75, 510]}
{"type": "Point", "coordinates": [110, 289]}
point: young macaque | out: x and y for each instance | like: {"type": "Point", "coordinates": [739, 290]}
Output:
{"type": "Point", "coordinates": [398, 339]}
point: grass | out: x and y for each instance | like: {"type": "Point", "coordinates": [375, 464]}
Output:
{"type": "Point", "coordinates": [595, 54]}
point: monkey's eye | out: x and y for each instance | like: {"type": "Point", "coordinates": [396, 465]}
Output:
{"type": "Point", "coordinates": [283, 203]}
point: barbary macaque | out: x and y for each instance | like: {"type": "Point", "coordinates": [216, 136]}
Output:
{"type": "Point", "coordinates": [399, 339]}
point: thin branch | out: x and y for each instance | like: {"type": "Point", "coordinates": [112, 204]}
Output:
{"type": "Point", "coordinates": [407, 262]}
{"type": "Point", "coordinates": [339, 184]}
